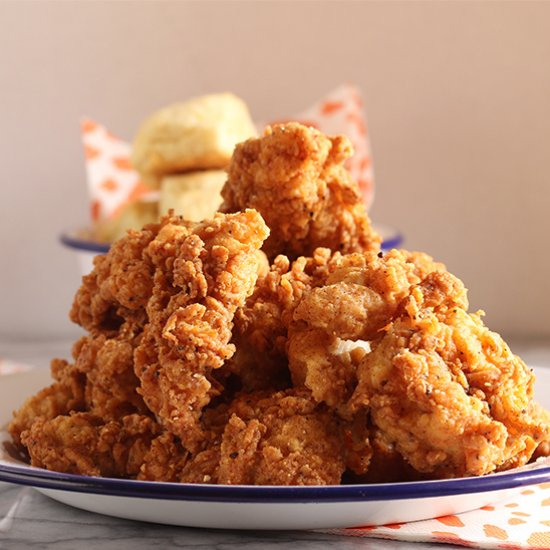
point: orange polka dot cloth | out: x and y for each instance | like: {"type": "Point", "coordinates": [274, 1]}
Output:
{"type": "Point", "coordinates": [522, 521]}
{"type": "Point", "coordinates": [112, 182]}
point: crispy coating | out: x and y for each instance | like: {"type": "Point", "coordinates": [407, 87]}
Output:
{"type": "Point", "coordinates": [544, 446]}
{"type": "Point", "coordinates": [445, 391]}
{"type": "Point", "coordinates": [261, 325]}
{"type": "Point", "coordinates": [66, 394]}
{"type": "Point", "coordinates": [423, 263]}
{"type": "Point", "coordinates": [164, 460]}
{"type": "Point", "coordinates": [295, 177]}
{"type": "Point", "coordinates": [370, 458]}
{"type": "Point", "coordinates": [438, 395]}
{"type": "Point", "coordinates": [101, 381]}
{"type": "Point", "coordinates": [111, 388]}
{"type": "Point", "coordinates": [201, 276]}
{"type": "Point", "coordinates": [266, 314]}
{"type": "Point", "coordinates": [118, 288]}
{"type": "Point", "coordinates": [82, 443]}
{"type": "Point", "coordinates": [281, 438]}
{"type": "Point", "coordinates": [361, 295]}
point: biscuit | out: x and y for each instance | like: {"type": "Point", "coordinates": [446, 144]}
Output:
{"type": "Point", "coordinates": [132, 216]}
{"type": "Point", "coordinates": [199, 134]}
{"type": "Point", "coordinates": [195, 196]}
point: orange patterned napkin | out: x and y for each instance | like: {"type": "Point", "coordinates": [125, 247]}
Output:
{"type": "Point", "coordinates": [112, 183]}
{"type": "Point", "coordinates": [519, 522]}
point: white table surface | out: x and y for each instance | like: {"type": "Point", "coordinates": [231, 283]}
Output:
{"type": "Point", "coordinates": [30, 520]}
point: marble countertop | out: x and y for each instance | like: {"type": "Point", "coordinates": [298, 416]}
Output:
{"type": "Point", "coordinates": [30, 520]}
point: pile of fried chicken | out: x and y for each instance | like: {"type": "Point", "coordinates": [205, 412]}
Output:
{"type": "Point", "coordinates": [275, 344]}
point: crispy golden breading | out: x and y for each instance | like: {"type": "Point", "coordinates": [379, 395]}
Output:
{"type": "Point", "coordinates": [261, 325]}
{"type": "Point", "coordinates": [281, 438]}
{"type": "Point", "coordinates": [111, 389]}
{"type": "Point", "coordinates": [101, 381]}
{"type": "Point", "coordinates": [200, 277]}
{"type": "Point", "coordinates": [267, 313]}
{"type": "Point", "coordinates": [361, 295]}
{"type": "Point", "coordinates": [118, 288]}
{"type": "Point", "coordinates": [66, 394]}
{"type": "Point", "coordinates": [295, 177]}
{"type": "Point", "coordinates": [81, 443]}
{"type": "Point", "coordinates": [445, 391]}
{"type": "Point", "coordinates": [202, 465]}
{"type": "Point", "coordinates": [164, 460]}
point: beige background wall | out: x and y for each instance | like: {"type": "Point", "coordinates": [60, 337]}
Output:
{"type": "Point", "coordinates": [458, 104]}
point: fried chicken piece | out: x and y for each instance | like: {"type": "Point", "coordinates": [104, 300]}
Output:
{"type": "Point", "coordinates": [165, 459]}
{"type": "Point", "coordinates": [82, 443]}
{"type": "Point", "coordinates": [261, 325]}
{"type": "Point", "coordinates": [295, 177]}
{"type": "Point", "coordinates": [423, 263]}
{"type": "Point", "coordinates": [65, 395]}
{"type": "Point", "coordinates": [281, 438]}
{"type": "Point", "coordinates": [201, 275]}
{"type": "Point", "coordinates": [544, 446]}
{"type": "Point", "coordinates": [101, 381]}
{"type": "Point", "coordinates": [166, 295]}
{"type": "Point", "coordinates": [111, 390]}
{"type": "Point", "coordinates": [118, 288]}
{"type": "Point", "coordinates": [445, 391]}
{"type": "Point", "coordinates": [360, 297]}
{"type": "Point", "coordinates": [372, 459]}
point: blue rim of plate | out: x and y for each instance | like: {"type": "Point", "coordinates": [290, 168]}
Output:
{"type": "Point", "coordinates": [272, 494]}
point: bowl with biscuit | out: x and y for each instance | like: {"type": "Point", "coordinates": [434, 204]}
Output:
{"type": "Point", "coordinates": [181, 155]}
